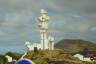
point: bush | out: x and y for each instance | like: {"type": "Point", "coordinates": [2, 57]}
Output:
{"type": "Point", "coordinates": [3, 60]}
{"type": "Point", "coordinates": [12, 55]}
{"type": "Point", "coordinates": [40, 61]}
{"type": "Point", "coordinates": [88, 63]}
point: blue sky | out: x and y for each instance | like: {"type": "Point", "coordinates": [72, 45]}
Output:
{"type": "Point", "coordinates": [70, 19]}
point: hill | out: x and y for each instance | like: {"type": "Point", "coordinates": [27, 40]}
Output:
{"type": "Point", "coordinates": [43, 57]}
{"type": "Point", "coordinates": [53, 56]}
{"type": "Point", "coordinates": [75, 45]}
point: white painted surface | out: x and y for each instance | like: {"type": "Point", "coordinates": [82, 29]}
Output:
{"type": "Point", "coordinates": [87, 59]}
{"type": "Point", "coordinates": [79, 56]}
{"type": "Point", "coordinates": [46, 43]}
{"type": "Point", "coordinates": [9, 58]}
{"type": "Point", "coordinates": [82, 58]}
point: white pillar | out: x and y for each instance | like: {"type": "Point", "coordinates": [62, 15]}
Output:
{"type": "Point", "coordinates": [43, 28]}
{"type": "Point", "coordinates": [45, 41]}
{"type": "Point", "coordinates": [52, 46]}
{"type": "Point", "coordinates": [42, 47]}
{"type": "Point", "coordinates": [51, 43]}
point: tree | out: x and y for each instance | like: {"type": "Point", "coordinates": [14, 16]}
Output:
{"type": "Point", "coordinates": [3, 60]}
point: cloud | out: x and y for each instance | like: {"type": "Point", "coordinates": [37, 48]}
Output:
{"type": "Point", "coordinates": [93, 29]}
{"type": "Point", "coordinates": [2, 33]}
{"type": "Point", "coordinates": [68, 19]}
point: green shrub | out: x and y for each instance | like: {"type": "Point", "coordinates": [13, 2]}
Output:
{"type": "Point", "coordinates": [12, 55]}
{"type": "Point", "coordinates": [3, 60]}
{"type": "Point", "coordinates": [88, 63]}
{"type": "Point", "coordinates": [40, 61]}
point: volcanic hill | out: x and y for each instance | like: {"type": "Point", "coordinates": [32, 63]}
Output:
{"type": "Point", "coordinates": [75, 45]}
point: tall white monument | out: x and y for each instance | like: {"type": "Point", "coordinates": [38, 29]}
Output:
{"type": "Point", "coordinates": [43, 28]}
{"type": "Point", "coordinates": [46, 42]}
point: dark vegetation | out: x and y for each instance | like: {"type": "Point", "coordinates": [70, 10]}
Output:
{"type": "Point", "coordinates": [15, 56]}
{"type": "Point", "coordinates": [3, 59]}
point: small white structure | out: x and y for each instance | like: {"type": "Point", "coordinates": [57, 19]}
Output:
{"type": "Point", "coordinates": [46, 43]}
{"type": "Point", "coordinates": [82, 58]}
{"type": "Point", "coordinates": [79, 56]}
{"type": "Point", "coordinates": [87, 59]}
{"type": "Point", "coordinates": [9, 58]}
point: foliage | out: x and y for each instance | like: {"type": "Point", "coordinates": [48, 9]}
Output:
{"type": "Point", "coordinates": [3, 59]}
{"type": "Point", "coordinates": [40, 61]}
{"type": "Point", "coordinates": [88, 63]}
{"type": "Point", "coordinates": [95, 59]}
{"type": "Point", "coordinates": [12, 55]}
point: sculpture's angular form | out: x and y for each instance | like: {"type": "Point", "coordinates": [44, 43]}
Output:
{"type": "Point", "coordinates": [46, 43]}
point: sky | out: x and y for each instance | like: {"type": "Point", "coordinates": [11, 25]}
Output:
{"type": "Point", "coordinates": [69, 19]}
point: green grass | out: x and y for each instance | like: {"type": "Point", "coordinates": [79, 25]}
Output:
{"type": "Point", "coordinates": [88, 63]}
{"type": "Point", "coordinates": [3, 60]}
{"type": "Point", "coordinates": [40, 61]}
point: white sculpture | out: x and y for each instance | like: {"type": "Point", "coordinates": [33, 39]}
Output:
{"type": "Point", "coordinates": [43, 11]}
{"type": "Point", "coordinates": [46, 43]}
{"type": "Point", "coordinates": [51, 43]}
{"type": "Point", "coordinates": [29, 46]}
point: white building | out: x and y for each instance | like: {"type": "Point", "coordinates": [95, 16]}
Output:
{"type": "Point", "coordinates": [79, 56]}
{"type": "Point", "coordinates": [46, 42]}
{"type": "Point", "coordinates": [82, 58]}
{"type": "Point", "coordinates": [9, 58]}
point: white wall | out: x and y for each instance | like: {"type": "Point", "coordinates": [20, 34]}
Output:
{"type": "Point", "coordinates": [80, 57]}
{"type": "Point", "coordinates": [9, 58]}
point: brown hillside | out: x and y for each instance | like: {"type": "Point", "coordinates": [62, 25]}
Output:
{"type": "Point", "coordinates": [55, 55]}
{"type": "Point", "coordinates": [75, 45]}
